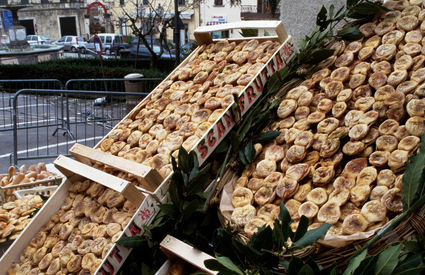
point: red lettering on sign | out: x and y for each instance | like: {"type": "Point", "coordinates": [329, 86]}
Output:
{"type": "Point", "coordinates": [134, 230]}
{"type": "Point", "coordinates": [109, 266]}
{"type": "Point", "coordinates": [258, 84]}
{"type": "Point", "coordinates": [271, 68]}
{"type": "Point", "coordinates": [220, 129]}
{"type": "Point", "coordinates": [211, 139]}
{"type": "Point", "coordinates": [242, 103]}
{"type": "Point", "coordinates": [115, 254]}
{"type": "Point", "coordinates": [264, 75]}
{"type": "Point", "coordinates": [279, 61]}
{"type": "Point", "coordinates": [287, 50]}
{"type": "Point", "coordinates": [228, 117]}
{"type": "Point", "coordinates": [251, 94]}
{"type": "Point", "coordinates": [202, 149]}
{"type": "Point", "coordinates": [145, 214]}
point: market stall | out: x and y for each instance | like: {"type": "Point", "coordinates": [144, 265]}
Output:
{"type": "Point", "coordinates": [250, 158]}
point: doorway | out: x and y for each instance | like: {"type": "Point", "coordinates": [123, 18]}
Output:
{"type": "Point", "coordinates": [68, 25]}
{"type": "Point", "coordinates": [29, 25]}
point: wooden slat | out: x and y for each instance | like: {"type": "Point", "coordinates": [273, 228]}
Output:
{"type": "Point", "coordinates": [70, 167]}
{"type": "Point", "coordinates": [173, 247]}
{"type": "Point", "coordinates": [150, 178]}
{"type": "Point", "coordinates": [203, 34]}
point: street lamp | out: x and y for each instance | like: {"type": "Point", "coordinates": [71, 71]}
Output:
{"type": "Point", "coordinates": [177, 30]}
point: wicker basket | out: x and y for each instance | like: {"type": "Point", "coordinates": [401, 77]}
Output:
{"type": "Point", "coordinates": [325, 255]}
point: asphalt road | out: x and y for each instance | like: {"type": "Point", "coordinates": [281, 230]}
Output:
{"type": "Point", "coordinates": [40, 116]}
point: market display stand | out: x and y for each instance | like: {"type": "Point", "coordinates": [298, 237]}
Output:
{"type": "Point", "coordinates": [75, 171]}
{"type": "Point", "coordinates": [154, 188]}
{"type": "Point", "coordinates": [246, 99]}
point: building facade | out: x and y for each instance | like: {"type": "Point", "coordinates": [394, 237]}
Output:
{"type": "Point", "coordinates": [215, 12]}
{"type": "Point", "coordinates": [147, 10]}
{"type": "Point", "coordinates": [52, 18]}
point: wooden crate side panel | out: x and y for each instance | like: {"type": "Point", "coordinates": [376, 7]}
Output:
{"type": "Point", "coordinates": [203, 33]}
{"type": "Point", "coordinates": [43, 216]}
{"type": "Point", "coordinates": [217, 132]}
{"type": "Point", "coordinates": [150, 177]}
{"type": "Point", "coordinates": [173, 247]}
{"type": "Point", "coordinates": [116, 257]}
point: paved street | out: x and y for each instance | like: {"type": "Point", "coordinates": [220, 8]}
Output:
{"type": "Point", "coordinates": [40, 116]}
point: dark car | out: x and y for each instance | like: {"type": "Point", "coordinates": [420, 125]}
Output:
{"type": "Point", "coordinates": [145, 53]}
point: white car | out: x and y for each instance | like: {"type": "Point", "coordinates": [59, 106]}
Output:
{"type": "Point", "coordinates": [38, 40]}
{"type": "Point", "coordinates": [70, 42]}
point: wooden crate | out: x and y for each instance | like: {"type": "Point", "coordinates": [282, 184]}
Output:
{"type": "Point", "coordinates": [247, 98]}
{"type": "Point", "coordinates": [75, 170]}
{"type": "Point", "coordinates": [150, 179]}
{"type": "Point", "coordinates": [175, 248]}
{"type": "Point", "coordinates": [7, 192]}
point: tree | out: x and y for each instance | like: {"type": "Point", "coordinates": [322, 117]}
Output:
{"type": "Point", "coordinates": [149, 18]}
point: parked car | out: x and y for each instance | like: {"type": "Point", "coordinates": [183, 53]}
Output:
{"type": "Point", "coordinates": [4, 39]}
{"type": "Point", "coordinates": [70, 42]}
{"type": "Point", "coordinates": [38, 40]}
{"type": "Point", "coordinates": [111, 43]}
{"type": "Point", "coordinates": [145, 53]}
{"type": "Point", "coordinates": [187, 48]}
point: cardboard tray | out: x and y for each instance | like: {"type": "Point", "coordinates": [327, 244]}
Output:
{"type": "Point", "coordinates": [252, 92]}
{"type": "Point", "coordinates": [75, 170]}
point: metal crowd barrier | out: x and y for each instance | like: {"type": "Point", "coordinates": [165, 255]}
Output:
{"type": "Point", "coordinates": [112, 84]}
{"type": "Point", "coordinates": [82, 116]}
{"type": "Point", "coordinates": [10, 86]}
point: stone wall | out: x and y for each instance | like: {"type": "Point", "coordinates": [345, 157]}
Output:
{"type": "Point", "coordinates": [299, 16]}
{"type": "Point", "coordinates": [46, 17]}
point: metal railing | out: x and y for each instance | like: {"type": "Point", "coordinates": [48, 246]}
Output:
{"type": "Point", "coordinates": [82, 116]}
{"type": "Point", "coordinates": [112, 84]}
{"type": "Point", "coordinates": [11, 86]}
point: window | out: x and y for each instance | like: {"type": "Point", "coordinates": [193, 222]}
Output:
{"type": "Point", "coordinates": [182, 2]}
{"type": "Point", "coordinates": [121, 2]}
{"type": "Point", "coordinates": [145, 2]}
{"type": "Point", "coordinates": [69, 39]}
{"type": "Point", "coordinates": [62, 39]}
{"type": "Point", "coordinates": [218, 2]}
{"type": "Point", "coordinates": [3, 2]}
{"type": "Point", "coordinates": [108, 39]}
{"type": "Point", "coordinates": [24, 2]}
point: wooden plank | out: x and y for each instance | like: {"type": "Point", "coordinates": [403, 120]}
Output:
{"type": "Point", "coordinates": [173, 247]}
{"type": "Point", "coordinates": [43, 216]}
{"type": "Point", "coordinates": [203, 34]}
{"type": "Point", "coordinates": [70, 167]}
{"type": "Point", "coordinates": [150, 178]}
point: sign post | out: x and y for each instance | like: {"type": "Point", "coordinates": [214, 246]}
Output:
{"type": "Point", "coordinates": [99, 48]}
